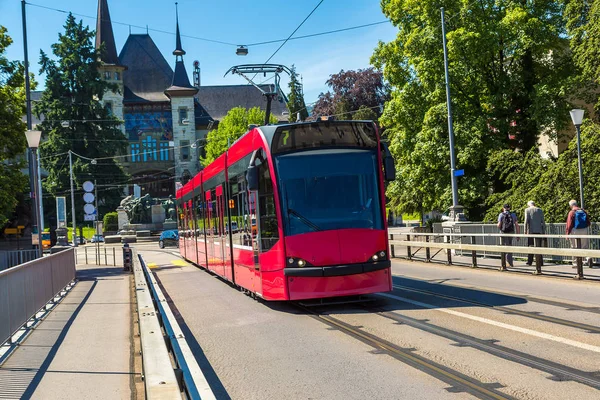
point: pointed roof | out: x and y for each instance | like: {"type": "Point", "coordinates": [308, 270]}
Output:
{"type": "Point", "coordinates": [104, 34]}
{"type": "Point", "coordinates": [178, 50]}
{"type": "Point", "coordinates": [181, 82]}
{"type": "Point", "coordinates": [149, 74]}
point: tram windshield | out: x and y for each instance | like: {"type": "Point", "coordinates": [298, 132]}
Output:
{"type": "Point", "coordinates": [329, 189]}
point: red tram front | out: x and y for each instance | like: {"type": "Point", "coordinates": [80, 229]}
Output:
{"type": "Point", "coordinates": [293, 212]}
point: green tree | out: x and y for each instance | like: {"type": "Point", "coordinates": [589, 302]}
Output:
{"type": "Point", "coordinates": [510, 71]}
{"type": "Point", "coordinates": [12, 129]}
{"type": "Point", "coordinates": [550, 183]}
{"type": "Point", "coordinates": [583, 24]}
{"type": "Point", "coordinates": [296, 98]}
{"type": "Point", "coordinates": [74, 90]}
{"type": "Point", "coordinates": [231, 128]}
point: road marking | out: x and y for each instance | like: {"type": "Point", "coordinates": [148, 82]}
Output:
{"type": "Point", "coordinates": [151, 265]}
{"type": "Point", "coordinates": [526, 331]}
{"type": "Point", "coordinates": [179, 263]}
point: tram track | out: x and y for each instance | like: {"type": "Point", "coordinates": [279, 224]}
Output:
{"type": "Point", "coordinates": [458, 381]}
{"type": "Point", "coordinates": [557, 371]}
{"type": "Point", "coordinates": [507, 310]}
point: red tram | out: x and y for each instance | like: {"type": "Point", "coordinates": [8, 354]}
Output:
{"type": "Point", "coordinates": [293, 212]}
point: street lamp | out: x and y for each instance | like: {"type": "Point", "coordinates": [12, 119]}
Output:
{"type": "Point", "coordinates": [577, 118]}
{"type": "Point", "coordinates": [33, 142]}
{"type": "Point", "coordinates": [241, 51]}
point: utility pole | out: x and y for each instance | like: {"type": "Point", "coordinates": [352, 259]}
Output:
{"type": "Point", "coordinates": [96, 222]}
{"type": "Point", "coordinates": [72, 199]}
{"type": "Point", "coordinates": [33, 177]}
{"type": "Point", "coordinates": [455, 207]}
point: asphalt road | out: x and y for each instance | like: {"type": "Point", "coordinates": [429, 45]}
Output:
{"type": "Point", "coordinates": [444, 332]}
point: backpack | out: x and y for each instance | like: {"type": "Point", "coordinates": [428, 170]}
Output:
{"type": "Point", "coordinates": [581, 220]}
{"type": "Point", "coordinates": [508, 224]}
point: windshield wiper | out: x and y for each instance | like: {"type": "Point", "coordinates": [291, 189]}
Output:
{"type": "Point", "coordinates": [303, 219]}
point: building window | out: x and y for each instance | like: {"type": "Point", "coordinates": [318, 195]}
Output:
{"type": "Point", "coordinates": [183, 114]}
{"type": "Point", "coordinates": [107, 75]}
{"type": "Point", "coordinates": [149, 149]}
{"type": "Point", "coordinates": [185, 150]}
{"type": "Point", "coordinates": [109, 107]}
{"type": "Point", "coordinates": [117, 76]}
{"type": "Point", "coordinates": [164, 151]}
{"type": "Point", "coordinates": [135, 152]}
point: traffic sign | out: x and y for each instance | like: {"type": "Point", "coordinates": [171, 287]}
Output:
{"type": "Point", "coordinates": [89, 208]}
{"type": "Point", "coordinates": [88, 197]}
{"type": "Point", "coordinates": [88, 186]}
{"type": "Point", "coordinates": [459, 172]}
{"type": "Point", "coordinates": [88, 217]}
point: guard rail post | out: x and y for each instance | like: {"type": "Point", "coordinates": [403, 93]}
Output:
{"type": "Point", "coordinates": [473, 253]}
{"type": "Point", "coordinates": [86, 258]}
{"type": "Point", "coordinates": [114, 257]}
{"type": "Point", "coordinates": [427, 250]}
{"type": "Point", "coordinates": [408, 251]}
{"type": "Point", "coordinates": [448, 239]}
{"type": "Point", "coordinates": [579, 262]}
{"type": "Point", "coordinates": [392, 250]}
{"type": "Point", "coordinates": [538, 257]}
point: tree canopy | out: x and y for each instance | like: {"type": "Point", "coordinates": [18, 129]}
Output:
{"type": "Point", "coordinates": [74, 91]}
{"type": "Point", "coordinates": [351, 91]}
{"type": "Point", "coordinates": [12, 129]}
{"type": "Point", "coordinates": [296, 98]}
{"type": "Point", "coordinates": [511, 73]}
{"type": "Point", "coordinates": [231, 128]}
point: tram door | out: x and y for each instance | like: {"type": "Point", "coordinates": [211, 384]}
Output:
{"type": "Point", "coordinates": [221, 237]}
{"type": "Point", "coordinates": [210, 230]}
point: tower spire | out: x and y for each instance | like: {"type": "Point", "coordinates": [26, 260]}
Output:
{"type": "Point", "coordinates": [181, 82]}
{"type": "Point", "coordinates": [178, 50]}
{"type": "Point", "coordinates": [104, 34]}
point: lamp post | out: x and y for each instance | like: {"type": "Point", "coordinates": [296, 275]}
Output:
{"type": "Point", "coordinates": [577, 118]}
{"type": "Point", "coordinates": [33, 142]}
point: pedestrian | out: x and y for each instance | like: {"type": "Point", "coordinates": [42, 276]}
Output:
{"type": "Point", "coordinates": [508, 224]}
{"type": "Point", "coordinates": [534, 225]}
{"type": "Point", "coordinates": [578, 222]}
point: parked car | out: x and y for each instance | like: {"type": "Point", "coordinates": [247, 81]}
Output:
{"type": "Point", "coordinates": [169, 238]}
{"type": "Point", "coordinates": [97, 239]}
{"type": "Point", "coordinates": [80, 240]}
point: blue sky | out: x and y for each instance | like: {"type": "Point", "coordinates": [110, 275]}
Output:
{"type": "Point", "coordinates": [235, 21]}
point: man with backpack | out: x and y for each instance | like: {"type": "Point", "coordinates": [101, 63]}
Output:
{"type": "Point", "coordinates": [578, 222]}
{"type": "Point", "coordinates": [508, 224]}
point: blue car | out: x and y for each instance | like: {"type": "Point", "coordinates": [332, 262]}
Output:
{"type": "Point", "coordinates": [169, 238]}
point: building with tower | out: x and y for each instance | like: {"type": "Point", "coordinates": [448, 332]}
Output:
{"type": "Point", "coordinates": [166, 118]}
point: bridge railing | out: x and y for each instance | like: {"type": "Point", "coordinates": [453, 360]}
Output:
{"type": "Point", "coordinates": [489, 244]}
{"type": "Point", "coordinates": [25, 289]}
{"type": "Point", "coordinates": [11, 258]}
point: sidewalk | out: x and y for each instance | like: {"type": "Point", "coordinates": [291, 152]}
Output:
{"type": "Point", "coordinates": [82, 349]}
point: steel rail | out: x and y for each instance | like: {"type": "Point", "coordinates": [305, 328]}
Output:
{"type": "Point", "coordinates": [458, 380]}
{"type": "Point", "coordinates": [539, 317]}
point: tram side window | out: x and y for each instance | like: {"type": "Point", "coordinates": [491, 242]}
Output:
{"type": "Point", "coordinates": [269, 231]}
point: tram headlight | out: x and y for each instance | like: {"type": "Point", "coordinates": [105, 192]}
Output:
{"type": "Point", "coordinates": [296, 262]}
{"type": "Point", "coordinates": [379, 256]}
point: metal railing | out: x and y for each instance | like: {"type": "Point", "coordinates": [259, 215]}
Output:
{"type": "Point", "coordinates": [10, 258]}
{"type": "Point", "coordinates": [25, 289]}
{"type": "Point", "coordinates": [467, 243]}
{"type": "Point", "coordinates": [161, 379]}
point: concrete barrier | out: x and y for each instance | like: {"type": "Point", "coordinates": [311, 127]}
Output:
{"type": "Point", "coordinates": [26, 288]}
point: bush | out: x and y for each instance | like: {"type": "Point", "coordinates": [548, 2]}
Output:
{"type": "Point", "coordinates": [111, 221]}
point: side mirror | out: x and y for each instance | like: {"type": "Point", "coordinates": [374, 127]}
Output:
{"type": "Point", "coordinates": [389, 167]}
{"type": "Point", "coordinates": [252, 177]}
